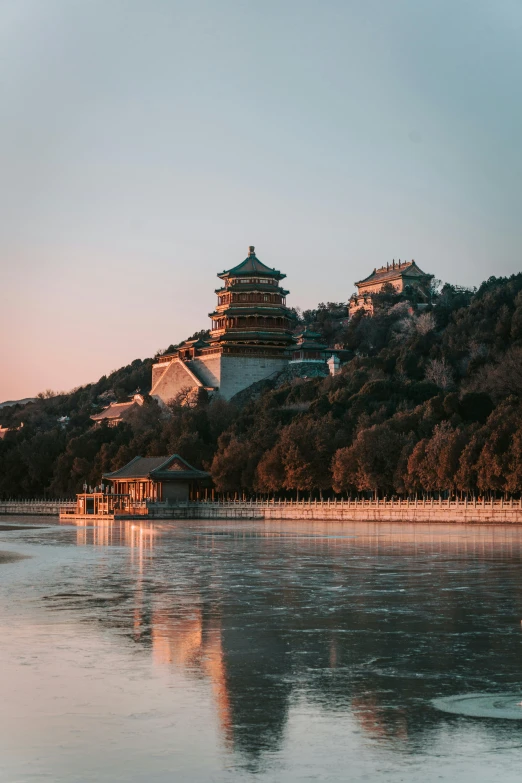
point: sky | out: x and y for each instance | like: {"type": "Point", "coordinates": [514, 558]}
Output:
{"type": "Point", "coordinates": [145, 144]}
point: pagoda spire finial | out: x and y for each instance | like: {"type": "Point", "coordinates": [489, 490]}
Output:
{"type": "Point", "coordinates": [251, 250]}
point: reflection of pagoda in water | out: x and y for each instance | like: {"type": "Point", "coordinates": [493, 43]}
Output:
{"type": "Point", "coordinates": [190, 643]}
{"type": "Point", "coordinates": [251, 701]}
{"type": "Point", "coordinates": [202, 639]}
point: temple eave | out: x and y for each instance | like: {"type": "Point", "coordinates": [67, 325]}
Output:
{"type": "Point", "coordinates": [235, 334]}
{"type": "Point", "coordinates": [249, 311]}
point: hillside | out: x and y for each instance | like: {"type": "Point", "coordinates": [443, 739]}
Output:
{"type": "Point", "coordinates": [10, 403]}
{"type": "Point", "coordinates": [430, 402]}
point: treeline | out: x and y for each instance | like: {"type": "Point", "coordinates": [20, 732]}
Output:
{"type": "Point", "coordinates": [430, 403]}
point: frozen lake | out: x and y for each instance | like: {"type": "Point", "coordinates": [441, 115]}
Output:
{"type": "Point", "coordinates": [204, 651]}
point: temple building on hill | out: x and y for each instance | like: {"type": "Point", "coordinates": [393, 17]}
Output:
{"type": "Point", "coordinates": [250, 340]}
{"type": "Point", "coordinates": [5, 430]}
{"type": "Point", "coordinates": [401, 275]}
{"type": "Point", "coordinates": [117, 412]}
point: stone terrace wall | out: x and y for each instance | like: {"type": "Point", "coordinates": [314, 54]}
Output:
{"type": "Point", "coordinates": [239, 372]}
{"type": "Point", "coordinates": [460, 512]}
{"type": "Point", "coordinates": [49, 508]}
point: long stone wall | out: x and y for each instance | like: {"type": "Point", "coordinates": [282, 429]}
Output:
{"type": "Point", "coordinates": [49, 508]}
{"type": "Point", "coordinates": [461, 512]}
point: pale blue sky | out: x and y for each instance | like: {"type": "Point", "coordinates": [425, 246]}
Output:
{"type": "Point", "coordinates": [144, 144]}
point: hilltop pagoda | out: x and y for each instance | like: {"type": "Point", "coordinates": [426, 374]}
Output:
{"type": "Point", "coordinates": [250, 340]}
{"type": "Point", "coordinates": [251, 317]}
{"type": "Point", "coordinates": [401, 276]}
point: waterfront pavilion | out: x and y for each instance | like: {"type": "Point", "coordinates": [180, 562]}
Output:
{"type": "Point", "coordinates": [158, 479]}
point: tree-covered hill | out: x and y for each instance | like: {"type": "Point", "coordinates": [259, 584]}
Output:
{"type": "Point", "coordinates": [430, 402]}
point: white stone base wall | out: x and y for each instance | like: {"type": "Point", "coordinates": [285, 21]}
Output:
{"type": "Point", "coordinates": [157, 371]}
{"type": "Point", "coordinates": [176, 377]}
{"type": "Point", "coordinates": [207, 368]}
{"type": "Point", "coordinates": [227, 374]}
{"type": "Point", "coordinates": [239, 372]}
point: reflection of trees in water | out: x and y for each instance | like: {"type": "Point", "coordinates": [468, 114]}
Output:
{"type": "Point", "coordinates": [375, 626]}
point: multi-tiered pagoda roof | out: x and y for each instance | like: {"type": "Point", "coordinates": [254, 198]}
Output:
{"type": "Point", "coordinates": [251, 315]}
{"type": "Point", "coordinates": [252, 266]}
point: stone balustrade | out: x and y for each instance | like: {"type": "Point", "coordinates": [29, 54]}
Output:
{"type": "Point", "coordinates": [401, 510]}
{"type": "Point", "coordinates": [423, 510]}
{"type": "Point", "coordinates": [50, 508]}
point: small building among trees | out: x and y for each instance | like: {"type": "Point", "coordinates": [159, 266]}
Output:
{"type": "Point", "coordinates": [309, 347]}
{"type": "Point", "coordinates": [5, 430]}
{"type": "Point", "coordinates": [117, 412]}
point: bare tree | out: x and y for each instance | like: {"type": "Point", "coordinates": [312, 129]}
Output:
{"type": "Point", "coordinates": [501, 379]}
{"type": "Point", "coordinates": [425, 323]}
{"type": "Point", "coordinates": [439, 372]}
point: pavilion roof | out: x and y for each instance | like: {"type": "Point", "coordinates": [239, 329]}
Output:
{"type": "Point", "coordinates": [251, 266]}
{"type": "Point", "coordinates": [166, 468]}
{"type": "Point", "coordinates": [115, 410]}
{"type": "Point", "coordinates": [311, 346]}
{"type": "Point", "coordinates": [309, 334]}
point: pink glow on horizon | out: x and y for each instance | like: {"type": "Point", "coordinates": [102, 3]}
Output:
{"type": "Point", "coordinates": [334, 139]}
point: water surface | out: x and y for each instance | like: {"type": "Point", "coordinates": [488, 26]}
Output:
{"type": "Point", "coordinates": [209, 651]}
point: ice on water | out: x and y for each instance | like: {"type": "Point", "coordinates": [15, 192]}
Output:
{"type": "Point", "coordinates": [205, 651]}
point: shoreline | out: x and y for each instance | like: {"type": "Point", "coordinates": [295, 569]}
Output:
{"type": "Point", "coordinates": [402, 511]}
